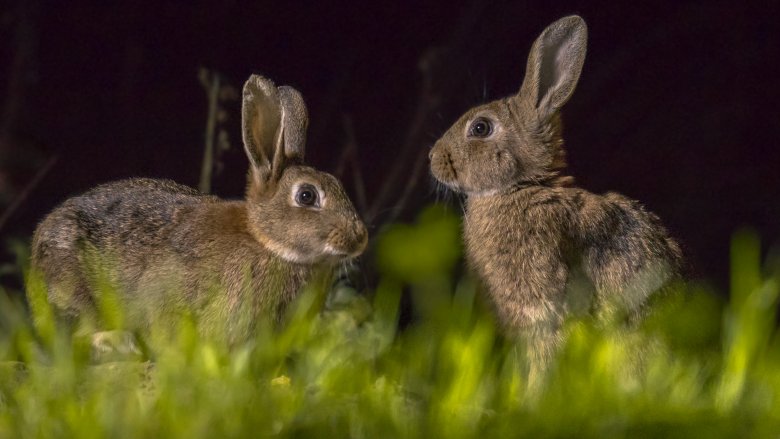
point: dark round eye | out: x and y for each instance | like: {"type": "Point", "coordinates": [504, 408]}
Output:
{"type": "Point", "coordinates": [306, 196]}
{"type": "Point", "coordinates": [481, 128]}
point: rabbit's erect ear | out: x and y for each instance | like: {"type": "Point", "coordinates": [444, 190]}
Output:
{"type": "Point", "coordinates": [554, 65]}
{"type": "Point", "coordinates": [295, 120]}
{"type": "Point", "coordinates": [261, 122]}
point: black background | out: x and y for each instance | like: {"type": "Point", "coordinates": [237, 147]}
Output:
{"type": "Point", "coordinates": [677, 105]}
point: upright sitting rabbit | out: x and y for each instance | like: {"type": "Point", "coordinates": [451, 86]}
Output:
{"type": "Point", "coordinates": [537, 243]}
{"type": "Point", "coordinates": [167, 248]}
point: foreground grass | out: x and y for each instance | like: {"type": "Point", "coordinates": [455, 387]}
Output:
{"type": "Point", "coordinates": [697, 367]}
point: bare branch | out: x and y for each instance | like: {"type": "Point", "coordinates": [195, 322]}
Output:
{"type": "Point", "coordinates": [210, 82]}
{"type": "Point", "coordinates": [349, 159]}
{"type": "Point", "coordinates": [354, 160]}
{"type": "Point", "coordinates": [427, 101]}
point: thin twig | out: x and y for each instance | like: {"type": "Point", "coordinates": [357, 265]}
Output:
{"type": "Point", "coordinates": [211, 82]}
{"type": "Point", "coordinates": [426, 103]}
{"type": "Point", "coordinates": [27, 190]}
{"type": "Point", "coordinates": [437, 82]}
{"type": "Point", "coordinates": [411, 183]}
{"type": "Point", "coordinates": [354, 161]}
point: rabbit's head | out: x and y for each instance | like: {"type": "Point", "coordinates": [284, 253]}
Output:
{"type": "Point", "coordinates": [301, 214]}
{"type": "Point", "coordinates": [517, 139]}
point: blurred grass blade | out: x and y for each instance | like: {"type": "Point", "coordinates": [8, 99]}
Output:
{"type": "Point", "coordinates": [42, 313]}
{"type": "Point", "coordinates": [749, 319]}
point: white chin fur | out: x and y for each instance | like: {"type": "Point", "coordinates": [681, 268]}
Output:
{"type": "Point", "coordinates": [452, 186]}
{"type": "Point", "coordinates": [329, 250]}
{"type": "Point", "coordinates": [473, 193]}
{"type": "Point", "coordinates": [283, 252]}
{"type": "Point", "coordinates": [287, 254]}
{"type": "Point", "coordinates": [489, 192]}
{"type": "Point", "coordinates": [485, 193]}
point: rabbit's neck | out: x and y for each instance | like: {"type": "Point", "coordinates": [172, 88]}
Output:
{"type": "Point", "coordinates": [551, 180]}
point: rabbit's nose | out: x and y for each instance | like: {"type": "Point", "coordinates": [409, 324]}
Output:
{"type": "Point", "coordinates": [361, 234]}
{"type": "Point", "coordinates": [349, 241]}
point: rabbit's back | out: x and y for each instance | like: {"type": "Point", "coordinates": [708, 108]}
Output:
{"type": "Point", "coordinates": [123, 216]}
{"type": "Point", "coordinates": [123, 223]}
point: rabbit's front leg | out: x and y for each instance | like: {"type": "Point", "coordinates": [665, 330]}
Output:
{"type": "Point", "coordinates": [522, 265]}
{"type": "Point", "coordinates": [534, 301]}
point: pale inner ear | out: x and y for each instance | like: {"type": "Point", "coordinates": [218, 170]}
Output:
{"type": "Point", "coordinates": [261, 123]}
{"type": "Point", "coordinates": [552, 69]}
{"type": "Point", "coordinates": [279, 158]}
{"type": "Point", "coordinates": [256, 148]}
{"type": "Point", "coordinates": [252, 146]}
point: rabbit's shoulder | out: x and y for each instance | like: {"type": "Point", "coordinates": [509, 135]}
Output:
{"type": "Point", "coordinates": [612, 214]}
{"type": "Point", "coordinates": [618, 224]}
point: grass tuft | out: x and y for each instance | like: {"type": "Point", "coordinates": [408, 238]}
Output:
{"type": "Point", "coordinates": [698, 366]}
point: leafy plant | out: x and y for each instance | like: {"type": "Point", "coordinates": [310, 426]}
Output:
{"type": "Point", "coordinates": [697, 366]}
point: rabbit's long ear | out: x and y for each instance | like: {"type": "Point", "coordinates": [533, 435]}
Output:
{"type": "Point", "coordinates": [295, 120]}
{"type": "Point", "coordinates": [554, 65]}
{"type": "Point", "coordinates": [261, 125]}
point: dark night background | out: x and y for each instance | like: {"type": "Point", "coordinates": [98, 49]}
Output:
{"type": "Point", "coordinates": [677, 105]}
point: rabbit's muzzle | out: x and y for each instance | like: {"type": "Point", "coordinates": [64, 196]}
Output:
{"type": "Point", "coordinates": [347, 241]}
{"type": "Point", "coordinates": [442, 166]}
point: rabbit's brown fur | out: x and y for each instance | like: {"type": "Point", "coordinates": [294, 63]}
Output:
{"type": "Point", "coordinates": [167, 249]}
{"type": "Point", "coordinates": [543, 248]}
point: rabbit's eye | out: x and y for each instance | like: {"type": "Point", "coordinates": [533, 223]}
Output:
{"type": "Point", "coordinates": [481, 128]}
{"type": "Point", "coordinates": [306, 196]}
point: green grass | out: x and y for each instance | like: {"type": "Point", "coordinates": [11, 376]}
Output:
{"type": "Point", "coordinates": [698, 367]}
